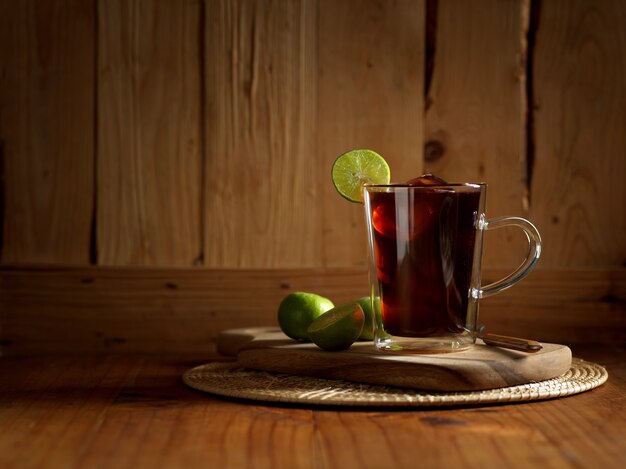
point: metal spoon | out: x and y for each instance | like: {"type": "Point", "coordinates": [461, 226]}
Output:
{"type": "Point", "coordinates": [505, 341]}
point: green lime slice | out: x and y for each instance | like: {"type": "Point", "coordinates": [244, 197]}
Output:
{"type": "Point", "coordinates": [338, 328]}
{"type": "Point", "coordinates": [355, 168]}
{"type": "Point", "coordinates": [368, 328]}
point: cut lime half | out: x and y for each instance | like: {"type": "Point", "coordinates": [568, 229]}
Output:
{"type": "Point", "coordinates": [338, 328]}
{"type": "Point", "coordinates": [355, 168]}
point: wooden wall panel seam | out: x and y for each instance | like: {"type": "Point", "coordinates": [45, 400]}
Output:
{"type": "Point", "coordinates": [142, 309]}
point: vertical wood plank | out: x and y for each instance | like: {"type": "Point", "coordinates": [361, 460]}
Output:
{"type": "Point", "coordinates": [578, 190]}
{"type": "Point", "coordinates": [371, 63]}
{"type": "Point", "coordinates": [149, 133]}
{"type": "Point", "coordinates": [475, 110]}
{"type": "Point", "coordinates": [262, 207]}
{"type": "Point", "coordinates": [47, 130]}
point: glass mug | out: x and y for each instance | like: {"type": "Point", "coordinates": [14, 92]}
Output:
{"type": "Point", "coordinates": [425, 250]}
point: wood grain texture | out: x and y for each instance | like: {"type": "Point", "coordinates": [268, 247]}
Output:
{"type": "Point", "coordinates": [578, 190]}
{"type": "Point", "coordinates": [46, 130]}
{"type": "Point", "coordinates": [79, 310]}
{"type": "Point", "coordinates": [150, 309]}
{"type": "Point", "coordinates": [261, 197]}
{"type": "Point", "coordinates": [149, 133]}
{"type": "Point", "coordinates": [89, 386]}
{"type": "Point", "coordinates": [217, 122]}
{"type": "Point", "coordinates": [370, 95]}
{"type": "Point", "coordinates": [475, 115]}
{"type": "Point", "coordinates": [134, 411]}
{"type": "Point", "coordinates": [479, 367]}
{"type": "Point", "coordinates": [553, 304]}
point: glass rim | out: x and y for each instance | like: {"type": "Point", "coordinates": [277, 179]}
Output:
{"type": "Point", "coordinates": [452, 185]}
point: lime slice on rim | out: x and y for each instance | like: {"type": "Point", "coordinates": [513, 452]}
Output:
{"type": "Point", "coordinates": [355, 168]}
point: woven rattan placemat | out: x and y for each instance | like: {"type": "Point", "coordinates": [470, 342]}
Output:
{"type": "Point", "coordinates": [231, 380]}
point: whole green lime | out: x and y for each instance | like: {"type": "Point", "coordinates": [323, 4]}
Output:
{"type": "Point", "coordinates": [338, 328]}
{"type": "Point", "coordinates": [298, 310]}
{"type": "Point", "coordinates": [368, 327]}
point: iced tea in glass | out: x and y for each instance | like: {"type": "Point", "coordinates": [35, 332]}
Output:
{"type": "Point", "coordinates": [425, 246]}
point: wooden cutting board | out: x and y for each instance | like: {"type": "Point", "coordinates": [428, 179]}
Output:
{"type": "Point", "coordinates": [480, 367]}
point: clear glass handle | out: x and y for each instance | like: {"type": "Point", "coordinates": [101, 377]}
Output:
{"type": "Point", "coordinates": [534, 251]}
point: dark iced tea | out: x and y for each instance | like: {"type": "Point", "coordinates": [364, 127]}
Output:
{"type": "Point", "coordinates": [424, 248]}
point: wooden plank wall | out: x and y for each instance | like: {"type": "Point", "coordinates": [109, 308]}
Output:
{"type": "Point", "coordinates": [47, 112]}
{"type": "Point", "coordinates": [579, 161]}
{"type": "Point", "coordinates": [475, 118]}
{"type": "Point", "coordinates": [149, 140]}
{"type": "Point", "coordinates": [199, 134]}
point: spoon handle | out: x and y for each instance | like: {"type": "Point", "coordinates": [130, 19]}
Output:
{"type": "Point", "coordinates": [515, 343]}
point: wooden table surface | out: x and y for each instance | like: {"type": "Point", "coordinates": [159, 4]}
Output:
{"type": "Point", "coordinates": [133, 411]}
